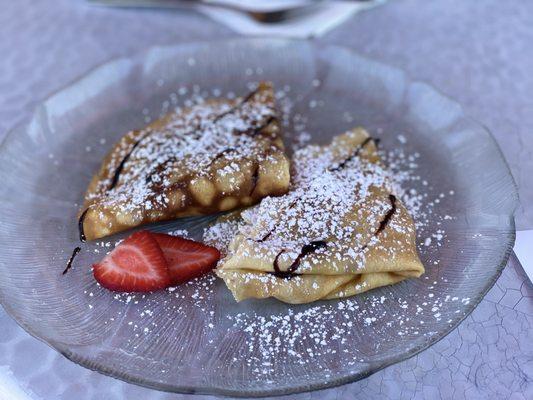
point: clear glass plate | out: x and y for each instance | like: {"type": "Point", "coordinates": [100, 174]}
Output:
{"type": "Point", "coordinates": [197, 338]}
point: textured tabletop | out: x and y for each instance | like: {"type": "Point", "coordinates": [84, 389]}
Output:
{"type": "Point", "coordinates": [479, 53]}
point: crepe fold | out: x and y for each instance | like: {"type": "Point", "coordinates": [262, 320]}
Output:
{"type": "Point", "coordinates": [339, 231]}
{"type": "Point", "coordinates": [214, 156]}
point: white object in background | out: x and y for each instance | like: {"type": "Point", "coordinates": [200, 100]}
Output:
{"type": "Point", "coordinates": [318, 21]}
{"type": "Point", "coordinates": [523, 249]}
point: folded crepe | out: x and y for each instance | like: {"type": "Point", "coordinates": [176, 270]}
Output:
{"type": "Point", "coordinates": [215, 156]}
{"type": "Point", "coordinates": [339, 231]}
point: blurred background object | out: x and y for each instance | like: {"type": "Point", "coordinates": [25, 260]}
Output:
{"type": "Point", "coordinates": [289, 18]}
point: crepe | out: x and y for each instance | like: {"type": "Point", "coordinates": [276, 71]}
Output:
{"type": "Point", "coordinates": [339, 231]}
{"type": "Point", "coordinates": [215, 156]}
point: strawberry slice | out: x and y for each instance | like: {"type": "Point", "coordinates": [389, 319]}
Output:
{"type": "Point", "coordinates": [135, 265]}
{"type": "Point", "coordinates": [186, 258]}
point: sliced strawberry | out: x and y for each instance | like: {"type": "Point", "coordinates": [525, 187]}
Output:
{"type": "Point", "coordinates": [135, 265]}
{"type": "Point", "coordinates": [186, 258]}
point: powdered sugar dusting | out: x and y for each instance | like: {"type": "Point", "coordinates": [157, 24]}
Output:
{"type": "Point", "coordinates": [179, 232]}
{"type": "Point", "coordinates": [304, 335]}
{"type": "Point", "coordinates": [323, 331]}
{"type": "Point", "coordinates": [149, 170]}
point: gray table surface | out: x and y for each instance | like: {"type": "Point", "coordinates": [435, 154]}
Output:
{"type": "Point", "coordinates": [480, 53]}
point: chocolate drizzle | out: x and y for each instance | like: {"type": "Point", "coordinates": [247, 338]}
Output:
{"type": "Point", "coordinates": [237, 106]}
{"type": "Point", "coordinates": [80, 225]}
{"type": "Point", "coordinates": [255, 178]}
{"type": "Point", "coordinates": [355, 154]}
{"type": "Point", "coordinates": [306, 249]}
{"type": "Point", "coordinates": [293, 203]}
{"type": "Point", "coordinates": [219, 155]}
{"type": "Point", "coordinates": [71, 259]}
{"type": "Point", "coordinates": [120, 167]}
{"type": "Point", "coordinates": [383, 223]}
{"type": "Point", "coordinates": [255, 131]}
{"type": "Point", "coordinates": [158, 169]}
{"type": "Point", "coordinates": [315, 245]}
{"type": "Point", "coordinates": [265, 237]}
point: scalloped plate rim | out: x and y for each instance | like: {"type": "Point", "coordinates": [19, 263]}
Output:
{"type": "Point", "coordinates": [316, 385]}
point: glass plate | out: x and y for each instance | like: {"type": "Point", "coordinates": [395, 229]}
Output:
{"type": "Point", "coordinates": [197, 338]}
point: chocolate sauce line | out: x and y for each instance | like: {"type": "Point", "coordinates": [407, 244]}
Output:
{"type": "Point", "coordinates": [80, 225]}
{"type": "Point", "coordinates": [315, 245]}
{"type": "Point", "coordinates": [355, 154]}
{"type": "Point", "coordinates": [237, 106]}
{"type": "Point", "coordinates": [306, 249]}
{"type": "Point", "coordinates": [225, 151]}
{"type": "Point", "coordinates": [293, 203]}
{"type": "Point", "coordinates": [71, 259]}
{"type": "Point", "coordinates": [265, 237]}
{"type": "Point", "coordinates": [120, 167]}
{"type": "Point", "coordinates": [255, 131]}
{"type": "Point", "coordinates": [255, 178]}
{"type": "Point", "coordinates": [384, 222]}
{"type": "Point", "coordinates": [277, 271]}
{"type": "Point", "coordinates": [158, 168]}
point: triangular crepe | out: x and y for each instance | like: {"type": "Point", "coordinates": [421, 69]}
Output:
{"type": "Point", "coordinates": [212, 157]}
{"type": "Point", "coordinates": [339, 231]}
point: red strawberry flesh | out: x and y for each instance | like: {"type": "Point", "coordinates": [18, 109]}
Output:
{"type": "Point", "coordinates": [186, 258]}
{"type": "Point", "coordinates": [135, 265]}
